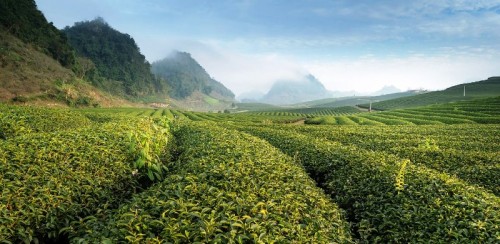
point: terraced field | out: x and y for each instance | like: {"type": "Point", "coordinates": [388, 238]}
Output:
{"type": "Point", "coordinates": [482, 111]}
{"type": "Point", "coordinates": [475, 90]}
{"type": "Point", "coordinates": [428, 174]}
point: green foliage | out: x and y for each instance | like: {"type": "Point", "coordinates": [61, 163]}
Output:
{"type": "Point", "coordinates": [483, 111]}
{"type": "Point", "coordinates": [120, 68]}
{"type": "Point", "coordinates": [57, 168]}
{"type": "Point", "coordinates": [227, 187]}
{"type": "Point", "coordinates": [119, 175]}
{"type": "Point", "coordinates": [148, 145]}
{"type": "Point", "coordinates": [432, 207]}
{"type": "Point", "coordinates": [22, 19]}
{"type": "Point", "coordinates": [17, 121]}
{"type": "Point", "coordinates": [400, 177]}
{"type": "Point", "coordinates": [325, 120]}
{"type": "Point", "coordinates": [468, 152]}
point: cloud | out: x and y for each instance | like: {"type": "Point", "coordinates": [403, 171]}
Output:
{"type": "Point", "coordinates": [239, 71]}
{"type": "Point", "coordinates": [244, 72]}
{"type": "Point", "coordinates": [361, 45]}
{"type": "Point", "coordinates": [412, 72]}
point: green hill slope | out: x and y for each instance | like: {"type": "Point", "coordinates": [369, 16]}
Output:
{"type": "Point", "coordinates": [474, 90]}
{"type": "Point", "coordinates": [351, 101]}
{"type": "Point", "coordinates": [120, 68]}
{"type": "Point", "coordinates": [191, 87]}
{"type": "Point", "coordinates": [32, 71]}
{"type": "Point", "coordinates": [22, 19]}
{"type": "Point", "coordinates": [186, 76]}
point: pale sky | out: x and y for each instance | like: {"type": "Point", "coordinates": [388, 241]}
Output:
{"type": "Point", "coordinates": [348, 45]}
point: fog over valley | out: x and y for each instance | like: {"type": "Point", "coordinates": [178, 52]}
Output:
{"type": "Point", "coordinates": [361, 47]}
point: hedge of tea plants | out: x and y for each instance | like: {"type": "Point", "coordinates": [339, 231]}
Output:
{"type": "Point", "coordinates": [16, 121]}
{"type": "Point", "coordinates": [390, 199]}
{"type": "Point", "coordinates": [227, 187]}
{"type": "Point", "coordinates": [469, 152]}
{"type": "Point", "coordinates": [51, 180]}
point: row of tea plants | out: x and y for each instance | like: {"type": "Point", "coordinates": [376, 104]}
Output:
{"type": "Point", "coordinates": [225, 187]}
{"type": "Point", "coordinates": [389, 198]}
{"type": "Point", "coordinates": [59, 166]}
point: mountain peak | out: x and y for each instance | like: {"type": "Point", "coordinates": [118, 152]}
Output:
{"type": "Point", "coordinates": [302, 89]}
{"type": "Point", "coordinates": [186, 76]}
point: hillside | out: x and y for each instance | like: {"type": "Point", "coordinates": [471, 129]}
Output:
{"type": "Point", "coordinates": [351, 101]}
{"type": "Point", "coordinates": [293, 91]}
{"type": "Point", "coordinates": [22, 19]}
{"type": "Point", "coordinates": [29, 73]}
{"type": "Point", "coordinates": [480, 89]}
{"type": "Point", "coordinates": [120, 68]}
{"type": "Point", "coordinates": [188, 80]}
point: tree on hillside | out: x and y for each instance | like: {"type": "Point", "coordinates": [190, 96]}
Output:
{"type": "Point", "coordinates": [116, 57]}
{"type": "Point", "coordinates": [22, 19]}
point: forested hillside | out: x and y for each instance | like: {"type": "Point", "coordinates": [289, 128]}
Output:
{"type": "Point", "coordinates": [37, 64]}
{"type": "Point", "coordinates": [113, 61]}
{"type": "Point", "coordinates": [22, 19]}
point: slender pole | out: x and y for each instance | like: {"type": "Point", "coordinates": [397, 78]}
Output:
{"type": "Point", "coordinates": [370, 106]}
{"type": "Point", "coordinates": [464, 91]}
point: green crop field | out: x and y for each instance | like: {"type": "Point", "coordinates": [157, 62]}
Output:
{"type": "Point", "coordinates": [320, 175]}
{"type": "Point", "coordinates": [481, 89]}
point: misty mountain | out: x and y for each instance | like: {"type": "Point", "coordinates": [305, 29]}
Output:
{"type": "Point", "coordinates": [343, 93]}
{"type": "Point", "coordinates": [383, 91]}
{"type": "Point", "coordinates": [185, 76]}
{"type": "Point", "coordinates": [251, 96]}
{"type": "Point", "coordinates": [294, 91]}
{"type": "Point", "coordinates": [386, 90]}
{"type": "Point", "coordinates": [113, 59]}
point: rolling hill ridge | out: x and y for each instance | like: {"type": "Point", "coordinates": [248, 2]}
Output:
{"type": "Point", "coordinates": [468, 91]}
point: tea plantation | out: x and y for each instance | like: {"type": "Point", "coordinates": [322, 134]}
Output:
{"type": "Point", "coordinates": [420, 175]}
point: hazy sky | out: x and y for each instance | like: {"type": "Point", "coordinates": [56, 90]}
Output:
{"type": "Point", "coordinates": [357, 45]}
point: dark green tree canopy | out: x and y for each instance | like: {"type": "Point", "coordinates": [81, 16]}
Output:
{"type": "Point", "coordinates": [116, 57]}
{"type": "Point", "coordinates": [22, 19]}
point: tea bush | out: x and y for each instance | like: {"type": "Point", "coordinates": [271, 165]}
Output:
{"type": "Point", "coordinates": [227, 187]}
{"type": "Point", "coordinates": [429, 207]}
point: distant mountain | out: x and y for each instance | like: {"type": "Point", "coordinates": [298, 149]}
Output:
{"type": "Point", "coordinates": [343, 93]}
{"type": "Point", "coordinates": [185, 76]}
{"type": "Point", "coordinates": [251, 96]}
{"type": "Point", "coordinates": [114, 61]}
{"type": "Point", "coordinates": [386, 90]}
{"type": "Point", "coordinates": [294, 91]}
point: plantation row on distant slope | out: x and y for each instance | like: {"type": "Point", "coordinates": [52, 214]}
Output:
{"type": "Point", "coordinates": [474, 90]}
